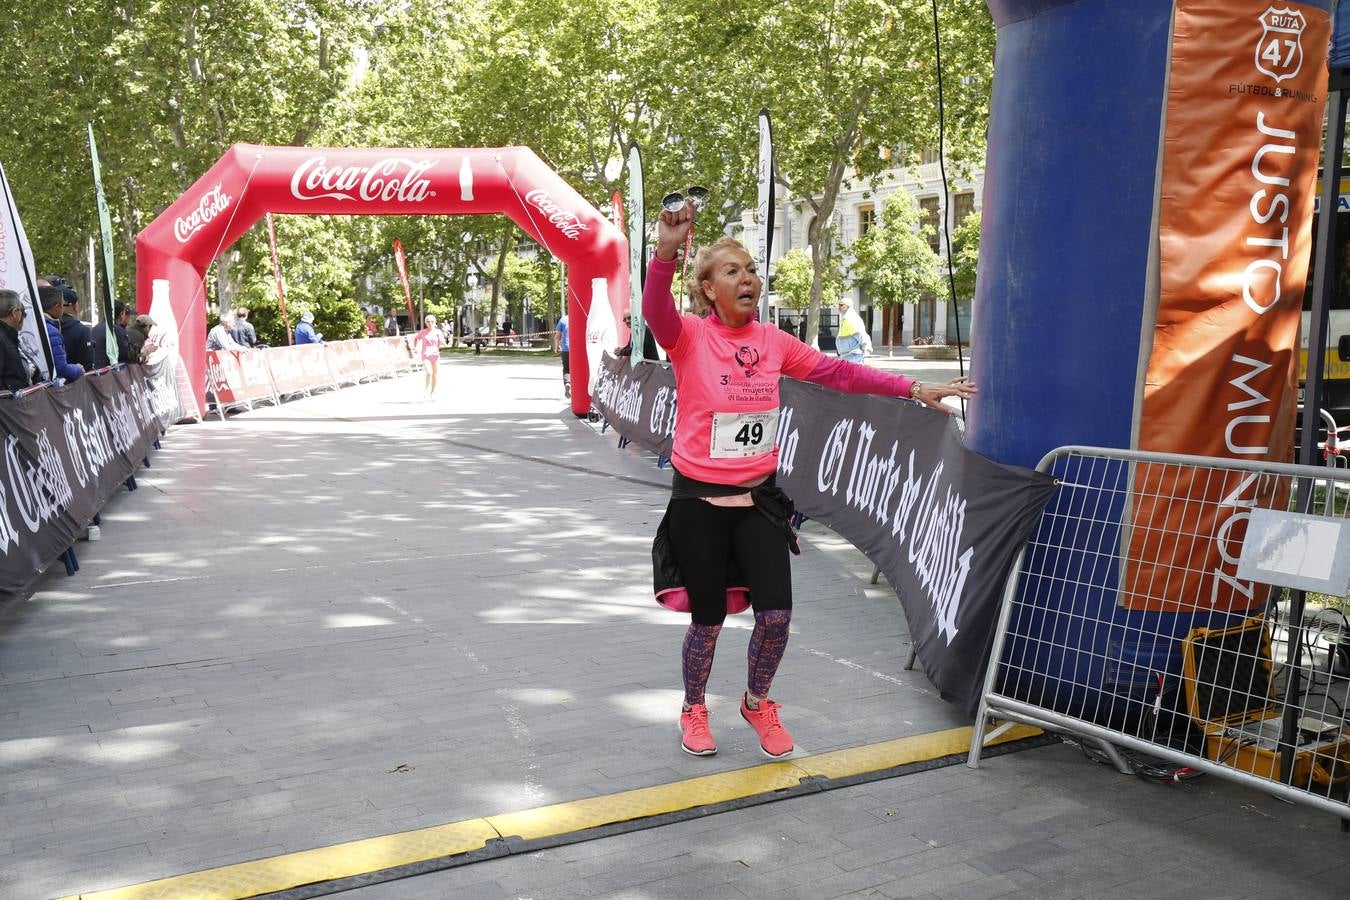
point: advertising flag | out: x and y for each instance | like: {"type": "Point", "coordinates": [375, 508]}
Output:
{"type": "Point", "coordinates": [18, 274]}
{"type": "Point", "coordinates": [1245, 98]}
{"type": "Point", "coordinates": [105, 235]}
{"type": "Point", "coordinates": [764, 209]}
{"type": "Point", "coordinates": [637, 256]}
{"type": "Point", "coordinates": [402, 261]}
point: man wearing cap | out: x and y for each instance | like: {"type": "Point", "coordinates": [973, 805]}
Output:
{"type": "Point", "coordinates": [78, 340]}
{"type": "Point", "coordinates": [53, 301]}
{"type": "Point", "coordinates": [138, 332]}
{"type": "Point", "coordinates": [305, 333]}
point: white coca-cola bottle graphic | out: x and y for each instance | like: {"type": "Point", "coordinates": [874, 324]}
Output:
{"type": "Point", "coordinates": [601, 331]}
{"type": "Point", "coordinates": [465, 180]}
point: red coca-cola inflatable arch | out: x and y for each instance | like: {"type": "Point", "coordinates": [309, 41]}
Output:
{"type": "Point", "coordinates": [174, 251]}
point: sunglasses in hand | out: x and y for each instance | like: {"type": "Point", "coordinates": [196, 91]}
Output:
{"type": "Point", "coordinates": [695, 196]}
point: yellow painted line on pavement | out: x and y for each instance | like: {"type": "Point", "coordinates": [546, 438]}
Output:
{"type": "Point", "coordinates": [279, 873]}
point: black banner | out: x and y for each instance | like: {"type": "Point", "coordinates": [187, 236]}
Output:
{"type": "Point", "coordinates": [942, 522]}
{"type": "Point", "coordinates": [65, 451]}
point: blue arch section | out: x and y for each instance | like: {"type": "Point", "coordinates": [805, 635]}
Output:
{"type": "Point", "coordinates": [1069, 187]}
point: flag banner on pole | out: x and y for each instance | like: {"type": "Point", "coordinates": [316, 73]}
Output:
{"type": "Point", "coordinates": [616, 210]}
{"type": "Point", "coordinates": [67, 449]}
{"type": "Point", "coordinates": [105, 235]}
{"type": "Point", "coordinates": [18, 274]}
{"type": "Point", "coordinates": [276, 273]}
{"type": "Point", "coordinates": [764, 209]}
{"type": "Point", "coordinates": [1218, 373]}
{"type": "Point", "coordinates": [401, 260]}
{"type": "Point", "coordinates": [942, 522]}
{"type": "Point", "coordinates": [637, 256]}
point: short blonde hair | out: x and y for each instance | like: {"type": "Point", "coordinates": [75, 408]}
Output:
{"type": "Point", "coordinates": [703, 265]}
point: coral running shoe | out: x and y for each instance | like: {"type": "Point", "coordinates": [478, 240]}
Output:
{"type": "Point", "coordinates": [697, 739]}
{"type": "Point", "coordinates": [774, 739]}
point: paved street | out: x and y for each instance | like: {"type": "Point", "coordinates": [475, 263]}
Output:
{"type": "Point", "coordinates": [361, 613]}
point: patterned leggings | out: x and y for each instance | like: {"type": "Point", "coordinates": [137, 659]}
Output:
{"type": "Point", "coordinates": [767, 643]}
{"type": "Point", "coordinates": [703, 538]}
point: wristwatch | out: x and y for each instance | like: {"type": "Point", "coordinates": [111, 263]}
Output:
{"type": "Point", "coordinates": [914, 390]}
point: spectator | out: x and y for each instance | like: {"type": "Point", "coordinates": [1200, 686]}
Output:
{"type": "Point", "coordinates": [560, 345]}
{"type": "Point", "coordinates": [305, 333]}
{"type": "Point", "coordinates": [222, 336]}
{"type": "Point", "coordinates": [371, 328]}
{"type": "Point", "coordinates": [15, 371]}
{"type": "Point", "coordinates": [391, 325]}
{"type": "Point", "coordinates": [138, 332]}
{"type": "Point", "coordinates": [245, 335]}
{"type": "Point", "coordinates": [648, 341]}
{"type": "Point", "coordinates": [78, 339]}
{"type": "Point", "coordinates": [121, 318]}
{"type": "Point", "coordinates": [853, 343]}
{"type": "Point", "coordinates": [52, 302]}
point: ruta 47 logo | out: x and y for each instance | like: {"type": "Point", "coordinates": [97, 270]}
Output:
{"type": "Point", "coordinates": [1279, 50]}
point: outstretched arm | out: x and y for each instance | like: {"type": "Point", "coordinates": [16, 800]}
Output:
{"type": "Point", "coordinates": [851, 378]}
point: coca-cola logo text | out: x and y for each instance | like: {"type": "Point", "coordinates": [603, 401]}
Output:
{"type": "Point", "coordinates": [568, 223]}
{"type": "Point", "coordinates": [390, 179]}
{"type": "Point", "coordinates": [212, 204]}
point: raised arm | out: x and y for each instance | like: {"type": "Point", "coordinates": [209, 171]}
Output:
{"type": "Point", "coordinates": [672, 228]}
{"type": "Point", "coordinates": [658, 308]}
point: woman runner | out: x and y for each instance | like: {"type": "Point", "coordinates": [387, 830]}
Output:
{"type": "Point", "coordinates": [724, 508]}
{"type": "Point", "coordinates": [427, 343]}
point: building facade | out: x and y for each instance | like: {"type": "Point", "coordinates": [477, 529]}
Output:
{"type": "Point", "coordinates": [858, 209]}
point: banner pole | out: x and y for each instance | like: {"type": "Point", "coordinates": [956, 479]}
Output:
{"type": "Point", "coordinates": [276, 273]}
{"type": "Point", "coordinates": [1324, 261]}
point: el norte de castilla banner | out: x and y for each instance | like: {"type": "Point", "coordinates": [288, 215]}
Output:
{"type": "Point", "coordinates": [942, 522]}
{"type": "Point", "coordinates": [66, 450]}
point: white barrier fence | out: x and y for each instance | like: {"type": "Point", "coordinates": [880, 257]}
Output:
{"type": "Point", "coordinates": [241, 378]}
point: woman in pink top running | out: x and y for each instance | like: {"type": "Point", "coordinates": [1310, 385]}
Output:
{"type": "Point", "coordinates": [725, 512]}
{"type": "Point", "coordinates": [427, 343]}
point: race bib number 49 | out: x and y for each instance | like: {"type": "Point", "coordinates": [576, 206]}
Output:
{"type": "Point", "coordinates": [743, 434]}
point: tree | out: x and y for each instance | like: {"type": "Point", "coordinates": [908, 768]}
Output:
{"type": "Point", "coordinates": [793, 276]}
{"type": "Point", "coordinates": [893, 261]}
{"type": "Point", "coordinates": [966, 259]}
{"type": "Point", "coordinates": [168, 87]}
{"type": "Point", "coordinates": [846, 81]}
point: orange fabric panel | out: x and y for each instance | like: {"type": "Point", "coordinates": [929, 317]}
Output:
{"type": "Point", "coordinates": [1244, 125]}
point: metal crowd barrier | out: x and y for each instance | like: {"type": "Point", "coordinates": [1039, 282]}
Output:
{"type": "Point", "coordinates": [1125, 626]}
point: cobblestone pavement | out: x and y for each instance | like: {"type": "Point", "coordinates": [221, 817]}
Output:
{"type": "Point", "coordinates": [362, 613]}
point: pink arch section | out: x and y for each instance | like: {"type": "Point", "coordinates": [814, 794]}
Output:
{"type": "Point", "coordinates": [175, 250]}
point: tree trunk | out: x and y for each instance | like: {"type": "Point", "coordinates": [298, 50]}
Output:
{"type": "Point", "coordinates": [226, 289]}
{"type": "Point", "coordinates": [504, 249]}
{"type": "Point", "coordinates": [819, 234]}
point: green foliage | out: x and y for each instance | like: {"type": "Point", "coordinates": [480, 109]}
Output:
{"type": "Point", "coordinates": [894, 260]}
{"type": "Point", "coordinates": [966, 259]}
{"type": "Point", "coordinates": [171, 85]}
{"type": "Point", "coordinates": [793, 274]}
